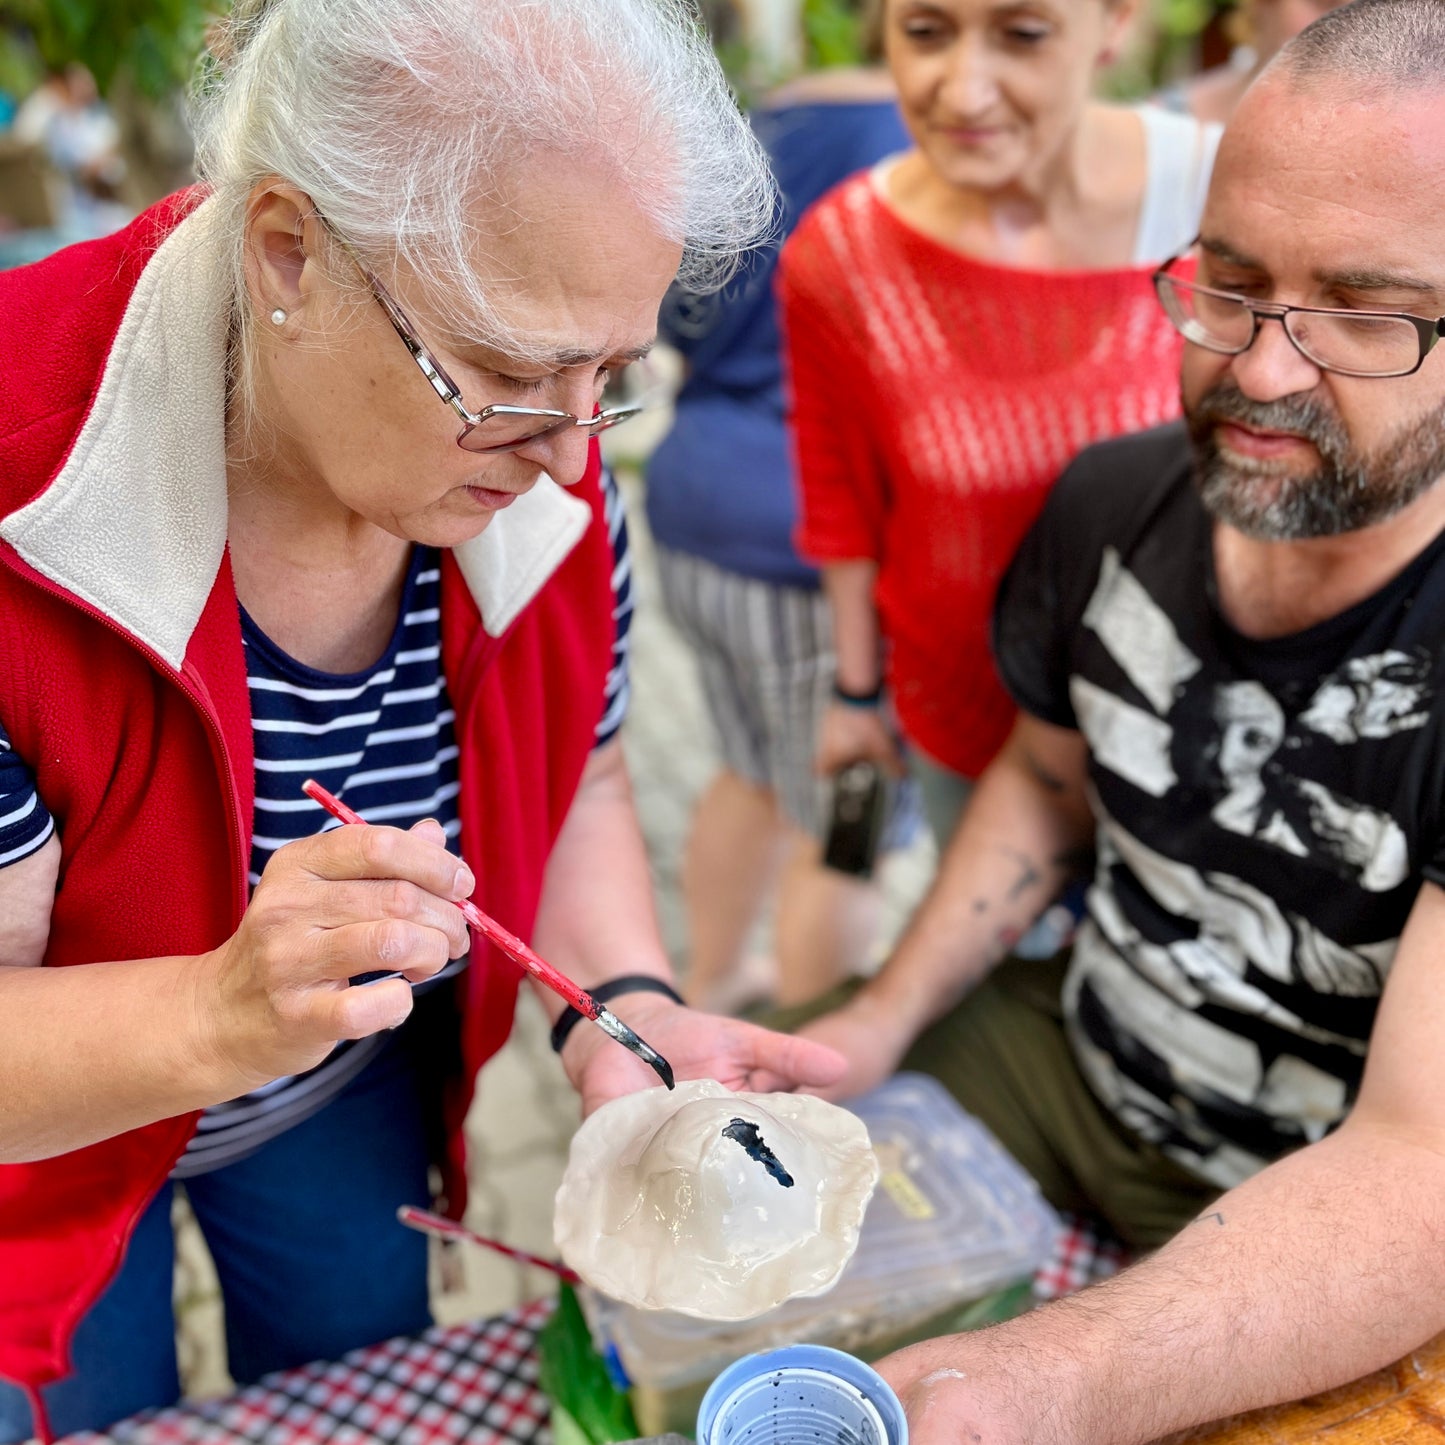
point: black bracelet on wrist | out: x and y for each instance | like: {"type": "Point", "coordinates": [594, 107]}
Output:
{"type": "Point", "coordinates": [603, 993]}
{"type": "Point", "coordinates": [858, 699]}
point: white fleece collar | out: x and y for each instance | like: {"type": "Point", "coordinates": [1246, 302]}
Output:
{"type": "Point", "coordinates": [135, 521]}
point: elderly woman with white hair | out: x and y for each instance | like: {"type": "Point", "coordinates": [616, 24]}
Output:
{"type": "Point", "coordinates": [296, 479]}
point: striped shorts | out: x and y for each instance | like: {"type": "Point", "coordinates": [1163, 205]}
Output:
{"type": "Point", "coordinates": [765, 654]}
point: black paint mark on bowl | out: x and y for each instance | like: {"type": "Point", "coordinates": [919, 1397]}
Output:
{"type": "Point", "coordinates": [740, 1131]}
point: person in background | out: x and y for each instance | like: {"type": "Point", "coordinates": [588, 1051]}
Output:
{"type": "Point", "coordinates": [298, 478]}
{"type": "Point", "coordinates": [1266, 26]}
{"type": "Point", "coordinates": [721, 504]}
{"type": "Point", "coordinates": [1227, 640]}
{"type": "Point", "coordinates": [960, 322]}
{"type": "Point", "coordinates": [66, 117]}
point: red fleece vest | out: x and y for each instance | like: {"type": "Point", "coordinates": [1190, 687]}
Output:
{"type": "Point", "coordinates": [149, 775]}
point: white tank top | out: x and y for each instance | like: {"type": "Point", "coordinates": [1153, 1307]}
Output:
{"type": "Point", "coordinates": [1179, 156]}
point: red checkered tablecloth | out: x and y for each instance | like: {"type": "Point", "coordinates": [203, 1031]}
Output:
{"type": "Point", "coordinates": [474, 1383]}
{"type": "Point", "coordinates": [1084, 1252]}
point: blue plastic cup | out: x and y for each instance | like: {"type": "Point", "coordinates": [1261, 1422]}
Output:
{"type": "Point", "coordinates": [801, 1395]}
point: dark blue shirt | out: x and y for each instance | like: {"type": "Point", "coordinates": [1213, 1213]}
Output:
{"type": "Point", "coordinates": [721, 486]}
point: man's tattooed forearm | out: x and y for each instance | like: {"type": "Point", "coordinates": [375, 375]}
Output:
{"type": "Point", "coordinates": [1028, 876]}
{"type": "Point", "coordinates": [1046, 776]}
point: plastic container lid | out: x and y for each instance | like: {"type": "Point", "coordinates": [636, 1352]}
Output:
{"type": "Point", "coordinates": [801, 1395]}
{"type": "Point", "coordinates": [953, 1219]}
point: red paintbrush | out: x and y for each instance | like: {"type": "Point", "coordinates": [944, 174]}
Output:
{"type": "Point", "coordinates": [523, 956]}
{"type": "Point", "coordinates": [424, 1221]}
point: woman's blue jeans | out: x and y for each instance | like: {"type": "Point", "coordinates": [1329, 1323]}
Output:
{"type": "Point", "coordinates": [311, 1259]}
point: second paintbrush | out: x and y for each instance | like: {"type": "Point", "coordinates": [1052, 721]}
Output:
{"type": "Point", "coordinates": [525, 958]}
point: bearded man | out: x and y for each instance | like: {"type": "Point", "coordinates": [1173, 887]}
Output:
{"type": "Point", "coordinates": [1227, 642]}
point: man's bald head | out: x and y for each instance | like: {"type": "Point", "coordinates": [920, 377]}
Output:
{"type": "Point", "coordinates": [1376, 46]}
{"type": "Point", "coordinates": [1329, 192]}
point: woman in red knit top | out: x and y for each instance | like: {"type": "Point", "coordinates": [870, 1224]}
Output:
{"type": "Point", "coordinates": [961, 321]}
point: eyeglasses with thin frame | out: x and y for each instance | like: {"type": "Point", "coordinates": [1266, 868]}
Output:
{"type": "Point", "coordinates": [495, 428]}
{"type": "Point", "coordinates": [1344, 341]}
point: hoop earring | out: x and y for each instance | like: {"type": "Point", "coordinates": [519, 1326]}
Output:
{"type": "Point", "coordinates": [278, 316]}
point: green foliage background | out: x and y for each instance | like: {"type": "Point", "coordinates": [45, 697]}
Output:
{"type": "Point", "coordinates": [151, 45]}
{"type": "Point", "coordinates": [831, 33]}
{"type": "Point", "coordinates": [832, 36]}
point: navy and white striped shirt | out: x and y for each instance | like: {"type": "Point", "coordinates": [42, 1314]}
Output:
{"type": "Point", "coordinates": [619, 679]}
{"type": "Point", "coordinates": [384, 739]}
{"type": "Point", "coordinates": [25, 823]}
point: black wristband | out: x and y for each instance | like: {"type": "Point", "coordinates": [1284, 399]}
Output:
{"type": "Point", "coordinates": [628, 983]}
{"type": "Point", "coordinates": [858, 699]}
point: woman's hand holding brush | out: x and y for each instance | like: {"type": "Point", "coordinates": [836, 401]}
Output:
{"type": "Point", "coordinates": [276, 996]}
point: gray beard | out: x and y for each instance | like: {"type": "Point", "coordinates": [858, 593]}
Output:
{"type": "Point", "coordinates": [1350, 490]}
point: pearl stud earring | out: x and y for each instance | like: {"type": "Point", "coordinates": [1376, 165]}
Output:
{"type": "Point", "coordinates": [278, 316]}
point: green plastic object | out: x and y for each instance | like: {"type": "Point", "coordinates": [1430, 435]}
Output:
{"type": "Point", "coordinates": [587, 1409]}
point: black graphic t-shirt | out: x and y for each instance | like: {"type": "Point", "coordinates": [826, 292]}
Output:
{"type": "Point", "coordinates": [1266, 811]}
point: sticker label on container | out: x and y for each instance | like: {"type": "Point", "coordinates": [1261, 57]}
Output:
{"type": "Point", "coordinates": [909, 1198]}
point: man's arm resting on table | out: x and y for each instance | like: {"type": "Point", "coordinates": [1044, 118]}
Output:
{"type": "Point", "coordinates": [1027, 830]}
{"type": "Point", "coordinates": [1320, 1269]}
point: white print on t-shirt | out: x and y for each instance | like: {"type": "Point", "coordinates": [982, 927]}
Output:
{"type": "Point", "coordinates": [1139, 635]}
{"type": "Point", "coordinates": [1203, 1057]}
{"type": "Point", "coordinates": [1236, 928]}
{"type": "Point", "coordinates": [1125, 739]}
{"type": "Point", "coordinates": [1370, 697]}
{"type": "Point", "coordinates": [1236, 925]}
{"type": "Point", "coordinates": [1251, 727]}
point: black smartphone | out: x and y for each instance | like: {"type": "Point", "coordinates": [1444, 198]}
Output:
{"type": "Point", "coordinates": [855, 824]}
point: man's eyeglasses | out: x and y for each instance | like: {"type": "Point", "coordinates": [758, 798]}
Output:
{"type": "Point", "coordinates": [1349, 343]}
{"type": "Point", "coordinates": [494, 428]}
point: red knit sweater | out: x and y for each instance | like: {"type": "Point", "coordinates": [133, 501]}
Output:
{"type": "Point", "coordinates": [936, 398]}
